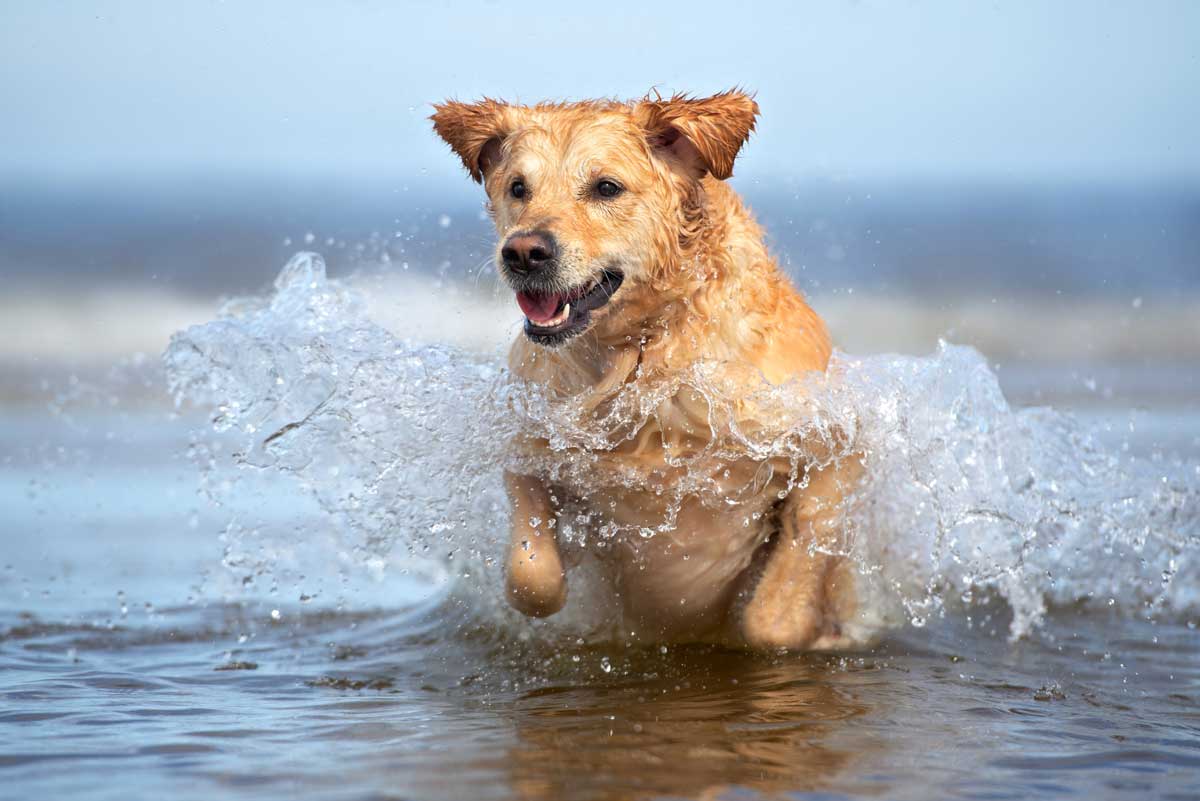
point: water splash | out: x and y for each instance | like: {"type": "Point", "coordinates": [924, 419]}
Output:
{"type": "Point", "coordinates": [402, 444]}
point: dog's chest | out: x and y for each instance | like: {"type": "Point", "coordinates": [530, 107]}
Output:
{"type": "Point", "coordinates": [674, 462]}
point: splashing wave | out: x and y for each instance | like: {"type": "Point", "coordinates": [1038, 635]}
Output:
{"type": "Point", "coordinates": [403, 445]}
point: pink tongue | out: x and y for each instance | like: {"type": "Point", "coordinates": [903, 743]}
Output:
{"type": "Point", "coordinates": [538, 308]}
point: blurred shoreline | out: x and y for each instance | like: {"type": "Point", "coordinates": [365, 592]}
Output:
{"type": "Point", "coordinates": [82, 327]}
{"type": "Point", "coordinates": [1090, 350]}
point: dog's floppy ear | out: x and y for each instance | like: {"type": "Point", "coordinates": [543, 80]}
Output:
{"type": "Point", "coordinates": [474, 131]}
{"type": "Point", "coordinates": [703, 133]}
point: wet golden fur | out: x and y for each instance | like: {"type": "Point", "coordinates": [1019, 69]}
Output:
{"type": "Point", "coordinates": [699, 285]}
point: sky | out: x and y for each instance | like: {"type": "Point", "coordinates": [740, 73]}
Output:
{"type": "Point", "coordinates": [1013, 89]}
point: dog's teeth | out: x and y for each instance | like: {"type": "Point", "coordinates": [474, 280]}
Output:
{"type": "Point", "coordinates": [558, 319]}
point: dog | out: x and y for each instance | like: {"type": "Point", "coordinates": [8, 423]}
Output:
{"type": "Point", "coordinates": [632, 261]}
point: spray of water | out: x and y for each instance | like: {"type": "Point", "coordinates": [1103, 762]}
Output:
{"type": "Point", "coordinates": [403, 445]}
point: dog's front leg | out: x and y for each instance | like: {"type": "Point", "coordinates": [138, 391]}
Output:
{"type": "Point", "coordinates": [804, 592]}
{"type": "Point", "coordinates": [536, 584]}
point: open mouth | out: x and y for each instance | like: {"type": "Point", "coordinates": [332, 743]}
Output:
{"type": "Point", "coordinates": [554, 317]}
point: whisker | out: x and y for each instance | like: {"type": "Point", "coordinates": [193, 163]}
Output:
{"type": "Point", "coordinates": [490, 261]}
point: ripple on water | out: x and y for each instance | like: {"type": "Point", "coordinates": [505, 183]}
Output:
{"type": "Point", "coordinates": [946, 710]}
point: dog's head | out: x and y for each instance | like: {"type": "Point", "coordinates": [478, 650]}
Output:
{"type": "Point", "coordinates": [594, 201]}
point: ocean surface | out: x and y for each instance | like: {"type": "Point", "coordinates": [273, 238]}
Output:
{"type": "Point", "coordinates": [264, 565]}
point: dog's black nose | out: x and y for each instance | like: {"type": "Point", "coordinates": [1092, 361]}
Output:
{"type": "Point", "coordinates": [528, 252]}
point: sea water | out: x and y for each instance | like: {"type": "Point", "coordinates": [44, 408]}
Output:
{"type": "Point", "coordinates": [289, 586]}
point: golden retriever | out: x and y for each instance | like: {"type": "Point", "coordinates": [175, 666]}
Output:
{"type": "Point", "coordinates": [632, 260]}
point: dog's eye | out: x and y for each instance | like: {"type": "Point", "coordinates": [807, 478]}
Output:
{"type": "Point", "coordinates": [517, 189]}
{"type": "Point", "coordinates": [607, 188]}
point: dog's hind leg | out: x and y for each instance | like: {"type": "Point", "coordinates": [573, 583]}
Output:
{"type": "Point", "coordinates": [536, 584]}
{"type": "Point", "coordinates": [804, 591]}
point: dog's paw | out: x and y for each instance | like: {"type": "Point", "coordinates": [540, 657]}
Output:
{"type": "Point", "coordinates": [774, 627]}
{"type": "Point", "coordinates": [834, 640]}
{"type": "Point", "coordinates": [535, 587]}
